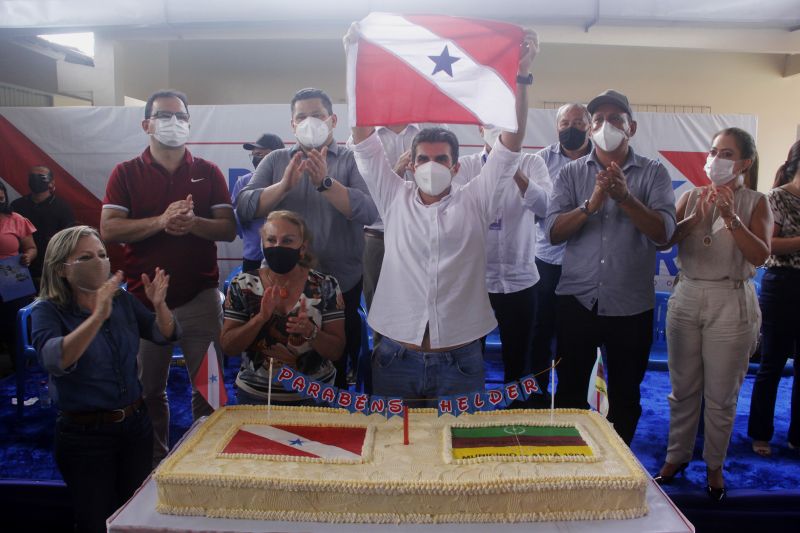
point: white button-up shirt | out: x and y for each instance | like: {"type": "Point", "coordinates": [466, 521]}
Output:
{"type": "Point", "coordinates": [512, 229]}
{"type": "Point", "coordinates": [434, 270]}
{"type": "Point", "coordinates": [394, 144]}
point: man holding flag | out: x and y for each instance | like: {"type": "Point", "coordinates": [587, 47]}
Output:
{"type": "Point", "coordinates": [431, 303]}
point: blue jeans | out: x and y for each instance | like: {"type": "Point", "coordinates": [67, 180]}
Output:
{"type": "Point", "coordinates": [400, 372]}
{"type": "Point", "coordinates": [103, 464]}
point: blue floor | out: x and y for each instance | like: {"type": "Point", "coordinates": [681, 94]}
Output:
{"type": "Point", "coordinates": [25, 446]}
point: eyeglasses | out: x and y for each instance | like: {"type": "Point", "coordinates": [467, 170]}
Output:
{"type": "Point", "coordinates": [180, 115]}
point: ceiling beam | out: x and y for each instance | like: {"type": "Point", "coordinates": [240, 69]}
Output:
{"type": "Point", "coordinates": [792, 66]}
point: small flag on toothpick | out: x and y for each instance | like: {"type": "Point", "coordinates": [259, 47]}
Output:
{"type": "Point", "coordinates": [598, 393]}
{"type": "Point", "coordinates": [210, 381]}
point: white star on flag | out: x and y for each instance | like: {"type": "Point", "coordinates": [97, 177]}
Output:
{"type": "Point", "coordinates": [429, 68]}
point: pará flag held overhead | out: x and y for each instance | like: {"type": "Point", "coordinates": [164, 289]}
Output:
{"type": "Point", "coordinates": [209, 380]}
{"type": "Point", "coordinates": [432, 68]}
{"type": "Point", "coordinates": [598, 393]}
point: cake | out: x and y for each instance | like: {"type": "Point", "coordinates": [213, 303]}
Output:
{"type": "Point", "coordinates": [326, 465]}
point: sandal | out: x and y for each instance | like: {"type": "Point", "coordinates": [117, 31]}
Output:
{"type": "Point", "coordinates": [762, 448]}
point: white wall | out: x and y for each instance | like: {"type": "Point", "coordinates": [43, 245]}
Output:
{"type": "Point", "coordinates": [270, 71]}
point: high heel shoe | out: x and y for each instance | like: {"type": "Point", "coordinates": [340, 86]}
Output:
{"type": "Point", "coordinates": [717, 494]}
{"type": "Point", "coordinates": [662, 479]}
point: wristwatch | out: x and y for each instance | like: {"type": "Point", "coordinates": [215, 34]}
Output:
{"type": "Point", "coordinates": [585, 209]}
{"type": "Point", "coordinates": [327, 183]}
{"type": "Point", "coordinates": [313, 334]}
{"type": "Point", "coordinates": [525, 80]}
{"type": "Point", "coordinates": [735, 223]}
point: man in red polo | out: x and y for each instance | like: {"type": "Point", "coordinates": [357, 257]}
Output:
{"type": "Point", "coordinates": [168, 207]}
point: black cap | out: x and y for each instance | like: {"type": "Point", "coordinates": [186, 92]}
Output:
{"type": "Point", "coordinates": [270, 141]}
{"type": "Point", "coordinates": [610, 97]}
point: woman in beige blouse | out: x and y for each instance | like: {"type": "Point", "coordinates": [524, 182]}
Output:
{"type": "Point", "coordinates": [713, 318]}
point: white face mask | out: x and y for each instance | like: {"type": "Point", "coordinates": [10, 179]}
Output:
{"type": "Point", "coordinates": [608, 137]}
{"type": "Point", "coordinates": [312, 132]}
{"type": "Point", "coordinates": [171, 131]}
{"type": "Point", "coordinates": [490, 135]}
{"type": "Point", "coordinates": [719, 171]}
{"type": "Point", "coordinates": [432, 178]}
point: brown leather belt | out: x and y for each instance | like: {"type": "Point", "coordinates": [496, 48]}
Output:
{"type": "Point", "coordinates": [103, 417]}
{"type": "Point", "coordinates": [373, 233]}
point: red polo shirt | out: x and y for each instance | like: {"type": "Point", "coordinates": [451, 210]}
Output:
{"type": "Point", "coordinates": [142, 188]}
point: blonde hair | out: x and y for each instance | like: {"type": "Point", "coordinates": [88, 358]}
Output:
{"type": "Point", "coordinates": [308, 259]}
{"type": "Point", "coordinates": [54, 286]}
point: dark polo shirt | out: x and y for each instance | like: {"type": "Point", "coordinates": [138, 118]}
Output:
{"type": "Point", "coordinates": [142, 188]}
{"type": "Point", "coordinates": [50, 216]}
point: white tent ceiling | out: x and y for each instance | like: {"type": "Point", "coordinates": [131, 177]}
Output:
{"type": "Point", "coordinates": [61, 15]}
{"type": "Point", "coordinates": [767, 26]}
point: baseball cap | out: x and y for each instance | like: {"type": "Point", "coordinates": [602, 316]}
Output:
{"type": "Point", "coordinates": [269, 141]}
{"type": "Point", "coordinates": [610, 97]}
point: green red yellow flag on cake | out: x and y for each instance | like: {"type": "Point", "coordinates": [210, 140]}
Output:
{"type": "Point", "coordinates": [517, 440]}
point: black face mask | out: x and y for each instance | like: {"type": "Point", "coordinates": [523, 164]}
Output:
{"type": "Point", "coordinates": [256, 160]}
{"type": "Point", "coordinates": [571, 138]}
{"type": "Point", "coordinates": [39, 182]}
{"type": "Point", "coordinates": [5, 209]}
{"type": "Point", "coordinates": [281, 259]}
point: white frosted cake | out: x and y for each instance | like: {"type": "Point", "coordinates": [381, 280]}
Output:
{"type": "Point", "coordinates": [327, 465]}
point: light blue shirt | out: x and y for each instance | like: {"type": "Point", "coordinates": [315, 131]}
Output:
{"type": "Point", "coordinates": [250, 231]}
{"type": "Point", "coordinates": [554, 158]}
{"type": "Point", "coordinates": [608, 261]}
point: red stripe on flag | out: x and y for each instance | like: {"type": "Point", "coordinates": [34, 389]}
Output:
{"type": "Point", "coordinates": [246, 442]}
{"type": "Point", "coordinates": [350, 439]}
{"type": "Point", "coordinates": [406, 95]}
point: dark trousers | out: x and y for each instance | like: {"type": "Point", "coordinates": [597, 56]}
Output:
{"type": "Point", "coordinates": [103, 465]}
{"type": "Point", "coordinates": [627, 341]}
{"type": "Point", "coordinates": [373, 261]}
{"type": "Point", "coordinates": [544, 324]}
{"type": "Point", "coordinates": [780, 339]}
{"type": "Point", "coordinates": [352, 332]}
{"type": "Point", "coordinates": [250, 264]}
{"type": "Point", "coordinates": [515, 314]}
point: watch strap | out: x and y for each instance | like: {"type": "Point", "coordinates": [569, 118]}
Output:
{"type": "Point", "coordinates": [525, 80]}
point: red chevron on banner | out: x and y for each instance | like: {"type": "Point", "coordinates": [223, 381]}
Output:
{"type": "Point", "coordinates": [690, 164]}
{"type": "Point", "coordinates": [18, 154]}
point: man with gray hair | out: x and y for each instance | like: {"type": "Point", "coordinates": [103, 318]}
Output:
{"type": "Point", "coordinates": [612, 208]}
{"type": "Point", "coordinates": [572, 125]}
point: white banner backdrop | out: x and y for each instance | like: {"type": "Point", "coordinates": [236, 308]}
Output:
{"type": "Point", "coordinates": [87, 142]}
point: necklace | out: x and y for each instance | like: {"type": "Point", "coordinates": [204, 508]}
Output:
{"type": "Point", "coordinates": [283, 290]}
{"type": "Point", "coordinates": [707, 239]}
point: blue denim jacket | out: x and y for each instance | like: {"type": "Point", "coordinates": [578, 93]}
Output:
{"type": "Point", "coordinates": [105, 377]}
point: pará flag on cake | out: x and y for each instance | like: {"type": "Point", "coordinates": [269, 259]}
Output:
{"type": "Point", "coordinates": [210, 381]}
{"type": "Point", "coordinates": [598, 393]}
{"type": "Point", "coordinates": [319, 442]}
{"type": "Point", "coordinates": [432, 68]}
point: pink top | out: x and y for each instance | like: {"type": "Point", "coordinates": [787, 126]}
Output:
{"type": "Point", "coordinates": [13, 228]}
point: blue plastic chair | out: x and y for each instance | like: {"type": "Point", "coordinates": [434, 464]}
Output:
{"type": "Point", "coordinates": [660, 318]}
{"type": "Point", "coordinates": [235, 272]}
{"type": "Point", "coordinates": [757, 279]}
{"type": "Point", "coordinates": [25, 351]}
